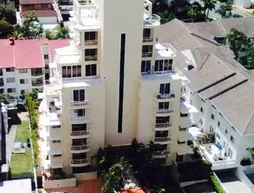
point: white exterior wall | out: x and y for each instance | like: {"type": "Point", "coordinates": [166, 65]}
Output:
{"type": "Point", "coordinates": [115, 22]}
{"type": "Point", "coordinates": [243, 3]}
{"type": "Point", "coordinates": [48, 20]}
{"type": "Point", "coordinates": [18, 87]}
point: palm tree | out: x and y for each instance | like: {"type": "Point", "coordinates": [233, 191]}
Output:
{"type": "Point", "coordinates": [62, 33]}
{"type": "Point", "coordinates": [237, 41]}
{"type": "Point", "coordinates": [208, 6]}
{"type": "Point", "coordinates": [194, 10]}
{"type": "Point", "coordinates": [115, 176]}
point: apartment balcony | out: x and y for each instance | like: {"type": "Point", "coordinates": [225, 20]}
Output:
{"type": "Point", "coordinates": [147, 54]}
{"type": "Point", "coordinates": [161, 97]}
{"type": "Point", "coordinates": [80, 148]}
{"type": "Point", "coordinates": [216, 156]}
{"type": "Point", "coordinates": [163, 112]}
{"type": "Point", "coordinates": [80, 104]}
{"type": "Point", "coordinates": [79, 119]}
{"type": "Point", "coordinates": [80, 134]}
{"type": "Point", "coordinates": [91, 58]}
{"type": "Point", "coordinates": [91, 42]}
{"type": "Point", "coordinates": [162, 126]}
{"type": "Point", "coordinates": [79, 162]}
{"type": "Point", "coordinates": [162, 140]}
{"type": "Point", "coordinates": [37, 82]}
{"type": "Point", "coordinates": [147, 39]}
{"type": "Point", "coordinates": [37, 72]}
{"type": "Point", "coordinates": [161, 154]}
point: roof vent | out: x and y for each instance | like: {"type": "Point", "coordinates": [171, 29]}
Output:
{"type": "Point", "coordinates": [190, 67]}
{"type": "Point", "coordinates": [12, 41]}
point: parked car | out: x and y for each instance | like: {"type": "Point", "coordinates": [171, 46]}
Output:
{"type": "Point", "coordinates": [236, 15]}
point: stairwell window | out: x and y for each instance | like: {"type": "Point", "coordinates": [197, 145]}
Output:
{"type": "Point", "coordinates": [11, 90]}
{"type": "Point", "coordinates": [79, 95]}
{"type": "Point", "coordinates": [90, 54]}
{"type": "Point", "coordinates": [145, 66]}
{"type": "Point", "coordinates": [91, 70]}
{"type": "Point", "coordinates": [163, 105]}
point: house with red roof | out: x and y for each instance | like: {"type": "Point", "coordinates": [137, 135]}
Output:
{"type": "Point", "coordinates": [43, 9]}
{"type": "Point", "coordinates": [24, 64]}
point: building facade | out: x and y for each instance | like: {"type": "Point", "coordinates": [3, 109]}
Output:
{"type": "Point", "coordinates": [112, 84]}
{"type": "Point", "coordinates": [18, 74]}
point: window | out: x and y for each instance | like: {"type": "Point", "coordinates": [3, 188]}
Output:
{"type": "Point", "coordinates": [211, 129]}
{"type": "Point", "coordinates": [182, 128]}
{"type": "Point", "coordinates": [44, 5]}
{"type": "Point", "coordinates": [1, 91]}
{"type": "Point", "coordinates": [163, 105]}
{"type": "Point", "coordinates": [184, 114]}
{"type": "Point", "coordinates": [11, 90]}
{"type": "Point", "coordinates": [163, 65]}
{"type": "Point", "coordinates": [10, 79]}
{"type": "Point", "coordinates": [23, 81]}
{"type": "Point", "coordinates": [90, 36]}
{"type": "Point", "coordinates": [232, 139]}
{"type": "Point", "coordinates": [71, 71]}
{"type": "Point", "coordinates": [145, 66]}
{"type": "Point", "coordinates": [217, 135]}
{"type": "Point", "coordinates": [181, 142]}
{"type": "Point", "coordinates": [79, 95]}
{"type": "Point", "coordinates": [46, 56]}
{"type": "Point", "coordinates": [91, 70]}
{"type": "Point", "coordinates": [201, 109]}
{"type": "Point", "coordinates": [164, 88]}
{"type": "Point", "coordinates": [56, 141]}
{"type": "Point", "coordinates": [1, 72]}
{"type": "Point", "coordinates": [57, 155]}
{"type": "Point", "coordinates": [226, 131]}
{"type": "Point", "coordinates": [22, 92]}
{"type": "Point", "coordinates": [147, 35]}
{"type": "Point", "coordinates": [1, 82]}
{"type": "Point", "coordinates": [9, 69]}
{"type": "Point", "coordinates": [218, 124]}
{"type": "Point", "coordinates": [147, 51]}
{"type": "Point", "coordinates": [79, 112]}
{"type": "Point", "coordinates": [56, 126]}
{"type": "Point", "coordinates": [90, 54]}
{"type": "Point", "coordinates": [212, 116]}
{"type": "Point", "coordinates": [23, 71]}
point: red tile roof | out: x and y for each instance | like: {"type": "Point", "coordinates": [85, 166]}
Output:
{"type": "Point", "coordinates": [133, 190]}
{"type": "Point", "coordinates": [29, 2]}
{"type": "Point", "coordinates": [26, 53]}
{"type": "Point", "coordinates": [40, 13]}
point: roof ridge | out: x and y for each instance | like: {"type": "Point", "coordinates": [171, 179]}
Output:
{"type": "Point", "coordinates": [246, 126]}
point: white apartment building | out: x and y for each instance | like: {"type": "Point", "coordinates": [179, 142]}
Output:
{"type": "Point", "coordinates": [112, 84]}
{"type": "Point", "coordinates": [24, 64]}
{"type": "Point", "coordinates": [217, 86]}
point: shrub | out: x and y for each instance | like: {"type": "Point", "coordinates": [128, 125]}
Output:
{"type": "Point", "coordinates": [245, 162]}
{"type": "Point", "coordinates": [217, 185]}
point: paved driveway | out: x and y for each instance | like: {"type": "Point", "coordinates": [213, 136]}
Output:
{"type": "Point", "coordinates": [231, 183]}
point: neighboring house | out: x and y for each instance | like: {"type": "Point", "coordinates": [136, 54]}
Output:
{"type": "Point", "coordinates": [24, 64]}
{"type": "Point", "coordinates": [43, 9]}
{"type": "Point", "coordinates": [217, 85]}
{"type": "Point", "coordinates": [243, 3]}
{"type": "Point", "coordinates": [112, 84]}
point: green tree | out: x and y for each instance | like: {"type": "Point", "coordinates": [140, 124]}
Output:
{"type": "Point", "coordinates": [31, 28]}
{"type": "Point", "coordinates": [115, 176]}
{"type": "Point", "coordinates": [5, 28]}
{"type": "Point", "coordinates": [17, 34]}
{"type": "Point", "coordinates": [208, 6]}
{"type": "Point", "coordinates": [62, 32]}
{"type": "Point", "coordinates": [49, 35]}
{"type": "Point", "coordinates": [194, 11]}
{"type": "Point", "coordinates": [225, 9]}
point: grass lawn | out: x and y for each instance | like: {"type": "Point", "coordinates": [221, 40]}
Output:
{"type": "Point", "coordinates": [22, 164]}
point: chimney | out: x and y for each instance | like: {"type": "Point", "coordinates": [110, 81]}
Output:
{"type": "Point", "coordinates": [12, 41]}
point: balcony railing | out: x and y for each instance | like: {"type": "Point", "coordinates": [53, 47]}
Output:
{"type": "Point", "coordinates": [147, 54]}
{"type": "Point", "coordinates": [91, 58]}
{"type": "Point", "coordinates": [147, 39]}
{"type": "Point", "coordinates": [79, 118]}
{"type": "Point", "coordinates": [164, 111]}
{"type": "Point", "coordinates": [37, 83]}
{"type": "Point", "coordinates": [79, 133]}
{"type": "Point", "coordinates": [162, 125]}
{"type": "Point", "coordinates": [79, 147]}
{"type": "Point", "coordinates": [91, 42]}
{"type": "Point", "coordinates": [38, 73]}
{"type": "Point", "coordinates": [79, 103]}
{"type": "Point", "coordinates": [162, 139]}
{"type": "Point", "coordinates": [165, 96]}
{"type": "Point", "coordinates": [79, 161]}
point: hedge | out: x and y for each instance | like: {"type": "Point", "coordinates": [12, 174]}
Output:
{"type": "Point", "coordinates": [216, 185]}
